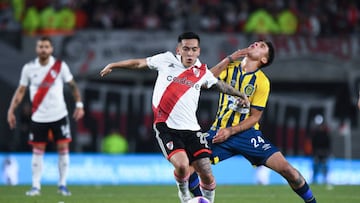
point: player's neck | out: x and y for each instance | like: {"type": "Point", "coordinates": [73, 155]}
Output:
{"type": "Point", "coordinates": [43, 61]}
{"type": "Point", "coordinates": [249, 65]}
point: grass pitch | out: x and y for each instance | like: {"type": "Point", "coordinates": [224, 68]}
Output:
{"type": "Point", "coordinates": [168, 194]}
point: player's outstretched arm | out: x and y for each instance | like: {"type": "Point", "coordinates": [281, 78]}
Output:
{"type": "Point", "coordinates": [218, 68]}
{"type": "Point", "coordinates": [130, 63]}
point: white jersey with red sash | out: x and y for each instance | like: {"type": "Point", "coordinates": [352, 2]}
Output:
{"type": "Point", "coordinates": [177, 90]}
{"type": "Point", "coordinates": [46, 85]}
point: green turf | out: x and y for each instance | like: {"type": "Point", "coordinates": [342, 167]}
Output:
{"type": "Point", "coordinates": [167, 194]}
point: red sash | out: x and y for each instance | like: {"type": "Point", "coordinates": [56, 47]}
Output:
{"type": "Point", "coordinates": [175, 91]}
{"type": "Point", "coordinates": [46, 84]}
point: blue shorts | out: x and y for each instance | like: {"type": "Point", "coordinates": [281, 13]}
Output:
{"type": "Point", "coordinates": [251, 144]}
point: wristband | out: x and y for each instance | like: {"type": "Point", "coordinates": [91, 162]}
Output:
{"type": "Point", "coordinates": [79, 105]}
{"type": "Point", "coordinates": [230, 59]}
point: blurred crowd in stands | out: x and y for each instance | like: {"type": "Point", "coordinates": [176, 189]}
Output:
{"type": "Point", "coordinates": [303, 17]}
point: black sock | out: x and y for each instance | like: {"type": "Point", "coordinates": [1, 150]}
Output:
{"type": "Point", "coordinates": [306, 194]}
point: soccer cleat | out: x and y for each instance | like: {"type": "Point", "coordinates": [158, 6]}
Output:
{"type": "Point", "coordinates": [64, 191]}
{"type": "Point", "coordinates": [184, 198]}
{"type": "Point", "coordinates": [33, 192]}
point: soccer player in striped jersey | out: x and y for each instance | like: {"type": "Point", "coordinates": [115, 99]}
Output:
{"type": "Point", "coordinates": [175, 100]}
{"type": "Point", "coordinates": [235, 130]}
{"type": "Point", "coordinates": [45, 76]}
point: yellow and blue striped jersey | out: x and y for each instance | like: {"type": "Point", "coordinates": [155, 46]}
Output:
{"type": "Point", "coordinates": [255, 85]}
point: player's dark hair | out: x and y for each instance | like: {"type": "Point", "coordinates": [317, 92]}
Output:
{"type": "Point", "coordinates": [45, 38]}
{"type": "Point", "coordinates": [188, 35]}
{"type": "Point", "coordinates": [271, 54]}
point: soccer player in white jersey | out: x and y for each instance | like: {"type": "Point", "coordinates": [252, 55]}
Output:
{"type": "Point", "coordinates": [175, 100]}
{"type": "Point", "coordinates": [45, 77]}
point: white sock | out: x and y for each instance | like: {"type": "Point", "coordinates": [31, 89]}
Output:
{"type": "Point", "coordinates": [208, 194]}
{"type": "Point", "coordinates": [36, 167]}
{"type": "Point", "coordinates": [183, 187]}
{"type": "Point", "coordinates": [64, 160]}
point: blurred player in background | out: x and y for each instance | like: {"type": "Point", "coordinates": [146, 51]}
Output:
{"type": "Point", "coordinates": [321, 147]}
{"type": "Point", "coordinates": [45, 76]}
{"type": "Point", "coordinates": [237, 132]}
{"type": "Point", "coordinates": [175, 100]}
{"type": "Point", "coordinates": [10, 171]}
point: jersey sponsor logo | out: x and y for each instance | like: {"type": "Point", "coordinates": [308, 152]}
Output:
{"type": "Point", "coordinates": [183, 81]}
{"type": "Point", "coordinates": [171, 65]}
{"type": "Point", "coordinates": [249, 89]}
{"type": "Point", "coordinates": [170, 145]}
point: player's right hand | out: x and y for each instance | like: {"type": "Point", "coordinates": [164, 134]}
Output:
{"type": "Point", "coordinates": [11, 120]}
{"type": "Point", "coordinates": [105, 71]}
{"type": "Point", "coordinates": [240, 53]}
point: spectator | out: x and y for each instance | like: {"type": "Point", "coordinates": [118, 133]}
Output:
{"type": "Point", "coordinates": [261, 22]}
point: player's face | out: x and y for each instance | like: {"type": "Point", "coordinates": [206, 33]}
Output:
{"type": "Point", "coordinates": [43, 49]}
{"type": "Point", "coordinates": [259, 51]}
{"type": "Point", "coordinates": [189, 50]}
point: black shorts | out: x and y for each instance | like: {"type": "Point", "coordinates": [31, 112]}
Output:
{"type": "Point", "coordinates": [171, 141]}
{"type": "Point", "coordinates": [57, 131]}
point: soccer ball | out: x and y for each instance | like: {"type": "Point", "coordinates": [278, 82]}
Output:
{"type": "Point", "coordinates": [199, 199]}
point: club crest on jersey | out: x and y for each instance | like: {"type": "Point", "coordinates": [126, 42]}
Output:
{"type": "Point", "coordinates": [170, 145]}
{"type": "Point", "coordinates": [249, 89]}
{"type": "Point", "coordinates": [53, 73]}
{"type": "Point", "coordinates": [196, 71]}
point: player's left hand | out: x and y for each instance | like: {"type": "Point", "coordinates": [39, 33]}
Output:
{"type": "Point", "coordinates": [222, 135]}
{"type": "Point", "coordinates": [78, 113]}
{"type": "Point", "coordinates": [243, 102]}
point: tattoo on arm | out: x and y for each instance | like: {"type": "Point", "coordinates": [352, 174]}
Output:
{"type": "Point", "coordinates": [75, 90]}
{"type": "Point", "coordinates": [227, 89]}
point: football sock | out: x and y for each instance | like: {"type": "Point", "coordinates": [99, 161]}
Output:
{"type": "Point", "coordinates": [182, 183]}
{"type": "Point", "coordinates": [63, 164]}
{"type": "Point", "coordinates": [36, 167]}
{"type": "Point", "coordinates": [194, 185]}
{"type": "Point", "coordinates": [306, 194]}
{"type": "Point", "coordinates": [208, 191]}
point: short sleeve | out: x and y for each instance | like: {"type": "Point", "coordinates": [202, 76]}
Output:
{"type": "Point", "coordinates": [65, 72]}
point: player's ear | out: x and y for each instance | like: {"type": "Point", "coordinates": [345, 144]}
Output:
{"type": "Point", "coordinates": [177, 49]}
{"type": "Point", "coordinates": [264, 60]}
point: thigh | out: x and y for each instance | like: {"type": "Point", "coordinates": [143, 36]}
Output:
{"type": "Point", "coordinates": [39, 133]}
{"type": "Point", "coordinates": [171, 141]}
{"type": "Point", "coordinates": [61, 130]}
{"type": "Point", "coordinates": [251, 144]}
{"type": "Point", "coordinates": [167, 141]}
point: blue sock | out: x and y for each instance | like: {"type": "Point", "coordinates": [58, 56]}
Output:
{"type": "Point", "coordinates": [194, 185]}
{"type": "Point", "coordinates": [306, 194]}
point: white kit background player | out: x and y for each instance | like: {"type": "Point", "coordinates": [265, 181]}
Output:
{"type": "Point", "coordinates": [45, 77]}
{"type": "Point", "coordinates": [175, 101]}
